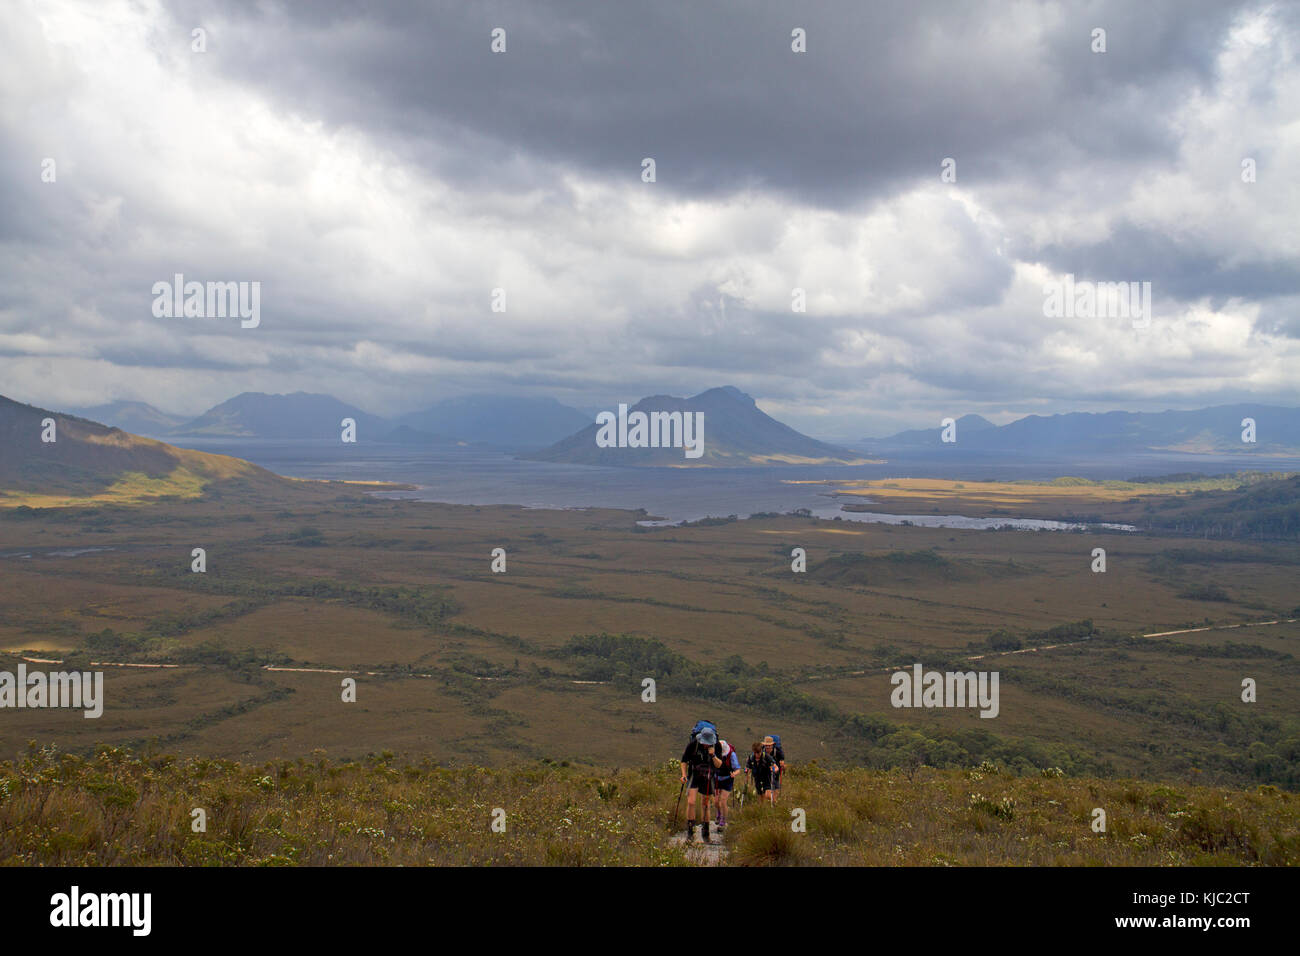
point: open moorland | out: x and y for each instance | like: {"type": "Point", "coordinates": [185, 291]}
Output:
{"type": "Point", "coordinates": [1137, 671]}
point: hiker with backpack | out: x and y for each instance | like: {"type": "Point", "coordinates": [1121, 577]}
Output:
{"type": "Point", "coordinates": [700, 762]}
{"type": "Point", "coordinates": [760, 764]}
{"type": "Point", "coordinates": [772, 744]}
{"type": "Point", "coordinates": [725, 779]}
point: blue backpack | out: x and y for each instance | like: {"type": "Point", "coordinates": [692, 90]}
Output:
{"type": "Point", "coordinates": [776, 738]}
{"type": "Point", "coordinates": [702, 725]}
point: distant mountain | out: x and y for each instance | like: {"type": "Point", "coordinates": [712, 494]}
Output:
{"type": "Point", "coordinates": [966, 425]}
{"type": "Point", "coordinates": [499, 420]}
{"type": "Point", "coordinates": [87, 458]}
{"type": "Point", "coordinates": [736, 433]}
{"type": "Point", "coordinates": [300, 415]}
{"type": "Point", "coordinates": [135, 417]}
{"type": "Point", "coordinates": [504, 421]}
{"type": "Point", "coordinates": [1215, 430]}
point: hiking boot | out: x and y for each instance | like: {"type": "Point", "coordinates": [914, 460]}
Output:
{"type": "Point", "coordinates": [705, 827]}
{"type": "Point", "coordinates": [690, 830]}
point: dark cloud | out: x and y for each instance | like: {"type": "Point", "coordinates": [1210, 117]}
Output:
{"type": "Point", "coordinates": [1178, 267]}
{"type": "Point", "coordinates": [379, 170]}
{"type": "Point", "coordinates": [713, 92]}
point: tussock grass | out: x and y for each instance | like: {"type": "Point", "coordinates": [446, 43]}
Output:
{"type": "Point", "coordinates": [768, 841]}
{"type": "Point", "coordinates": [986, 817]}
{"type": "Point", "coordinates": [118, 808]}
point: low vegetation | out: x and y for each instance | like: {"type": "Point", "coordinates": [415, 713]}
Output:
{"type": "Point", "coordinates": [120, 808]}
{"type": "Point", "coordinates": [304, 587]}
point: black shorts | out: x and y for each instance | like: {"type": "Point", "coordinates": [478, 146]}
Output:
{"type": "Point", "coordinates": [725, 783]}
{"type": "Point", "coordinates": [703, 782]}
{"type": "Point", "coordinates": [762, 784]}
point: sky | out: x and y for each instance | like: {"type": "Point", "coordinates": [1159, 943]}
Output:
{"type": "Point", "coordinates": [380, 170]}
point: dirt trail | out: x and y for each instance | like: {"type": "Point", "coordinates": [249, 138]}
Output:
{"type": "Point", "coordinates": [1051, 647]}
{"type": "Point", "coordinates": [1224, 627]}
{"type": "Point", "coordinates": [275, 667]}
{"type": "Point", "coordinates": [702, 854]}
{"type": "Point", "coordinates": [857, 673]}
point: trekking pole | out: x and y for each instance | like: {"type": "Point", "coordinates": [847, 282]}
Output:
{"type": "Point", "coordinates": [713, 792]}
{"type": "Point", "coordinates": [678, 809]}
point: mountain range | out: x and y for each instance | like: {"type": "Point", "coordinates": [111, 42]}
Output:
{"type": "Point", "coordinates": [736, 431]}
{"type": "Point", "coordinates": [1216, 430]}
{"type": "Point", "coordinates": [90, 455]}
{"type": "Point", "coordinates": [500, 421]}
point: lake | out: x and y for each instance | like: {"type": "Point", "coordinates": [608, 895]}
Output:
{"type": "Point", "coordinates": [477, 475]}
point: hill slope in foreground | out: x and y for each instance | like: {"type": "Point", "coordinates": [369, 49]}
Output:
{"type": "Point", "coordinates": [120, 809]}
{"type": "Point", "coordinates": [92, 463]}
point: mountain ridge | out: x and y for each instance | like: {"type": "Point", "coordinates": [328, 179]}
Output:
{"type": "Point", "coordinates": [1212, 430]}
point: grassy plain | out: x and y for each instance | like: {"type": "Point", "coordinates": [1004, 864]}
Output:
{"type": "Point", "coordinates": [458, 664]}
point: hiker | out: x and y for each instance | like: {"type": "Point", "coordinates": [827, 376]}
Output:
{"type": "Point", "coordinates": [760, 764]}
{"type": "Point", "coordinates": [700, 760]}
{"type": "Point", "coordinates": [772, 744]}
{"type": "Point", "coordinates": [725, 779]}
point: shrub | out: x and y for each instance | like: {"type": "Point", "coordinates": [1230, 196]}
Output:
{"type": "Point", "coordinates": [1218, 829]}
{"type": "Point", "coordinates": [768, 844]}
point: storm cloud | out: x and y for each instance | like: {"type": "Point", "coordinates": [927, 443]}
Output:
{"type": "Point", "coordinates": [380, 171]}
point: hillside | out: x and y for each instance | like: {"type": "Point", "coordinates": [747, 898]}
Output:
{"type": "Point", "coordinates": [92, 462]}
{"type": "Point", "coordinates": [1215, 430]}
{"type": "Point", "coordinates": [58, 809]}
{"type": "Point", "coordinates": [736, 433]}
{"type": "Point", "coordinates": [1265, 507]}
